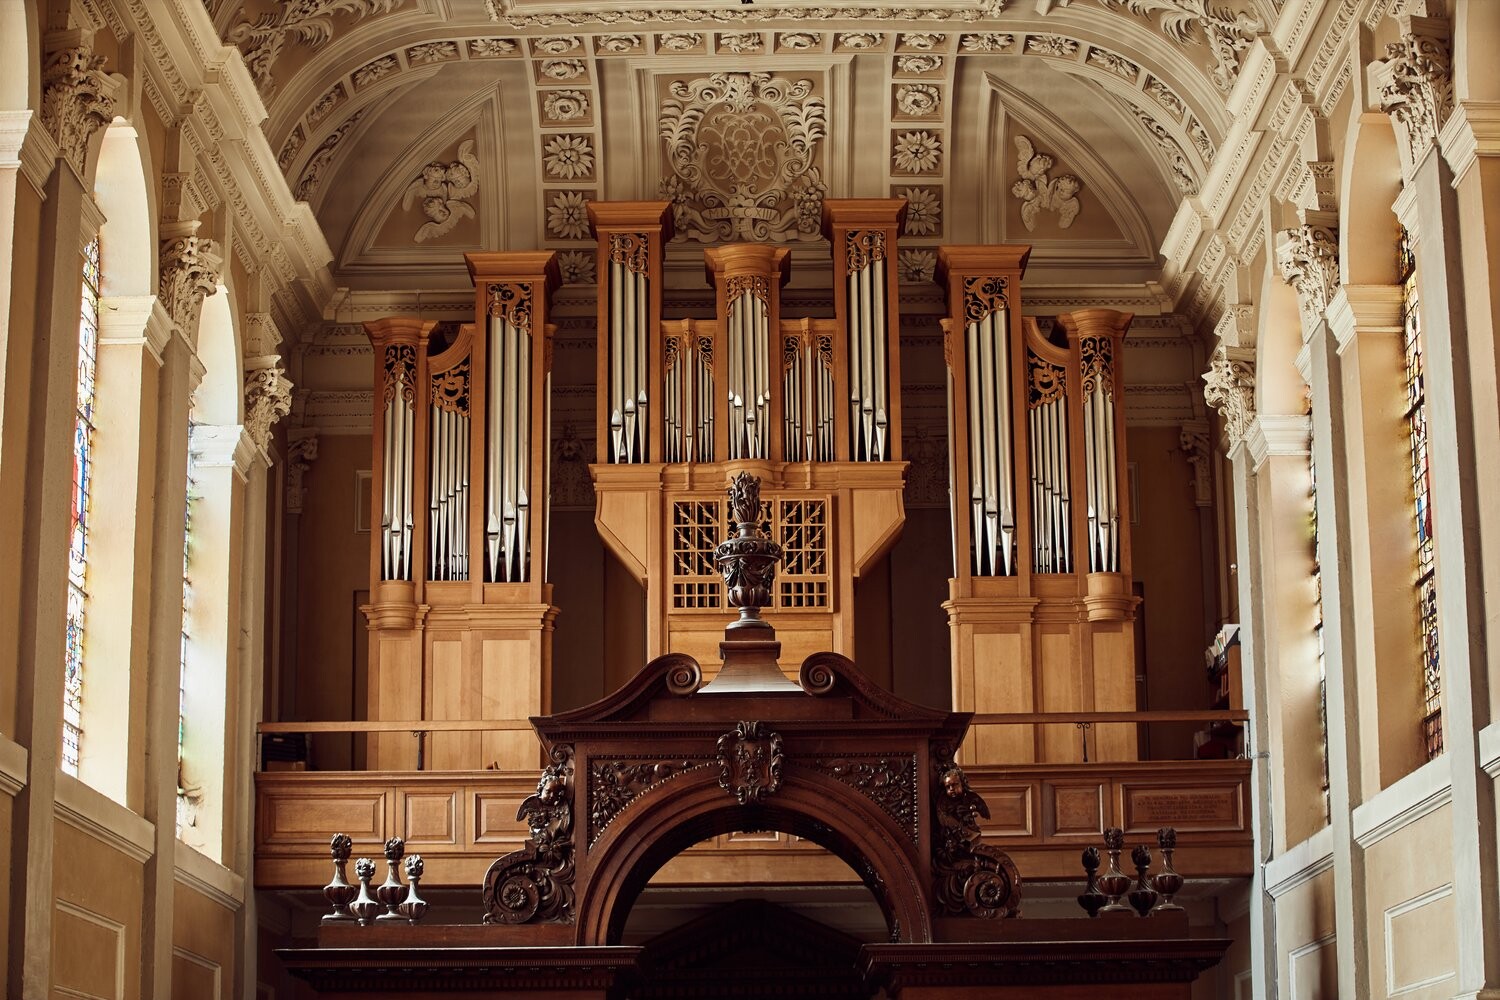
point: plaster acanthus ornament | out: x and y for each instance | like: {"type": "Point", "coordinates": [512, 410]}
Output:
{"type": "Point", "coordinates": [616, 44]}
{"type": "Point", "coordinates": [268, 398]}
{"type": "Point", "coordinates": [490, 47]}
{"type": "Point", "coordinates": [922, 41]}
{"type": "Point", "coordinates": [577, 267]}
{"type": "Point", "coordinates": [1052, 45]}
{"type": "Point", "coordinates": [1036, 191]}
{"type": "Point", "coordinates": [292, 148]}
{"type": "Point", "coordinates": [567, 216]}
{"type": "Point", "coordinates": [568, 157]}
{"type": "Point", "coordinates": [1182, 171]}
{"type": "Point", "coordinates": [917, 265]}
{"type": "Point", "coordinates": [563, 69]}
{"type": "Point", "coordinates": [921, 62]}
{"type": "Point", "coordinates": [376, 70]}
{"type": "Point", "coordinates": [78, 99]}
{"type": "Point", "coordinates": [1308, 259]}
{"type": "Point", "coordinates": [1193, 440]}
{"type": "Point", "coordinates": [679, 41]}
{"type": "Point", "coordinates": [189, 270]}
{"type": "Point", "coordinates": [919, 100]}
{"type": "Point", "coordinates": [565, 105]}
{"type": "Point", "coordinates": [300, 452]}
{"type": "Point", "coordinates": [1228, 33]}
{"type": "Point", "coordinates": [557, 44]}
{"type": "Point", "coordinates": [1165, 96]}
{"type": "Point", "coordinates": [324, 106]}
{"type": "Point", "coordinates": [739, 15]}
{"type": "Point", "coordinates": [443, 190]}
{"type": "Point", "coordinates": [987, 41]}
{"type": "Point", "coordinates": [743, 150]}
{"type": "Point", "coordinates": [432, 52]}
{"type": "Point", "coordinates": [858, 39]}
{"type": "Point", "coordinates": [798, 41]}
{"type": "Point", "coordinates": [312, 174]}
{"type": "Point", "coordinates": [1229, 387]}
{"type": "Point", "coordinates": [924, 211]}
{"type": "Point", "coordinates": [1114, 63]}
{"type": "Point", "coordinates": [741, 41]}
{"type": "Point", "coordinates": [307, 21]}
{"type": "Point", "coordinates": [917, 152]}
{"type": "Point", "coordinates": [1416, 83]}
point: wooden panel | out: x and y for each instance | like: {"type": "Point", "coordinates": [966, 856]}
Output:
{"type": "Point", "coordinates": [495, 819]}
{"type": "Point", "coordinates": [308, 817]}
{"type": "Point", "coordinates": [88, 953]}
{"type": "Point", "coordinates": [1114, 690]}
{"type": "Point", "coordinates": [397, 680]}
{"type": "Point", "coordinates": [1199, 808]}
{"type": "Point", "coordinates": [1003, 683]}
{"type": "Point", "coordinates": [195, 977]}
{"type": "Point", "coordinates": [1076, 809]}
{"type": "Point", "coordinates": [1060, 685]}
{"type": "Point", "coordinates": [430, 818]}
{"type": "Point", "coordinates": [1012, 808]}
{"type": "Point", "coordinates": [452, 696]}
{"type": "Point", "coordinates": [510, 689]}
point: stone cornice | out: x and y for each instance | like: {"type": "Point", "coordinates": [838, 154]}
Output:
{"type": "Point", "coordinates": [1472, 131]}
{"type": "Point", "coordinates": [139, 320]}
{"type": "Point", "coordinates": [1361, 309]}
{"type": "Point", "coordinates": [25, 144]}
{"type": "Point", "coordinates": [215, 447]}
{"type": "Point", "coordinates": [1274, 434]}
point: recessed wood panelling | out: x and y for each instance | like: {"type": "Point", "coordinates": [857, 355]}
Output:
{"type": "Point", "coordinates": [1077, 809]}
{"type": "Point", "coordinates": [312, 816]}
{"type": "Point", "coordinates": [432, 817]}
{"type": "Point", "coordinates": [1196, 807]}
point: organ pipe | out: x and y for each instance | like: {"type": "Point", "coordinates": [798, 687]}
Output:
{"type": "Point", "coordinates": [398, 444]}
{"type": "Point", "coordinates": [753, 408]}
{"type": "Point", "coordinates": [448, 462]}
{"type": "Point", "coordinates": [1047, 424]}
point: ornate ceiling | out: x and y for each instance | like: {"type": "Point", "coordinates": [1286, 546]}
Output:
{"type": "Point", "coordinates": [418, 129]}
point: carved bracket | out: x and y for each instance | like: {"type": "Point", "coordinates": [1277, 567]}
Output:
{"type": "Point", "coordinates": [970, 878]}
{"type": "Point", "coordinates": [535, 884]}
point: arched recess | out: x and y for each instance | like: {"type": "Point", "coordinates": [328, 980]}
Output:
{"type": "Point", "coordinates": [130, 330]}
{"type": "Point", "coordinates": [692, 807]}
{"type": "Point", "coordinates": [1476, 39]}
{"type": "Point", "coordinates": [20, 56]}
{"type": "Point", "coordinates": [1371, 182]}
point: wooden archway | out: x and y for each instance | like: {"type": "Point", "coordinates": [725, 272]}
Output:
{"type": "Point", "coordinates": [666, 761]}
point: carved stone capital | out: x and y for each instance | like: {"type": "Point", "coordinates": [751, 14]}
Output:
{"type": "Point", "coordinates": [1415, 83]}
{"type": "Point", "coordinates": [268, 398]}
{"type": "Point", "coordinates": [1193, 440]}
{"type": "Point", "coordinates": [1229, 387]}
{"type": "Point", "coordinates": [78, 99]}
{"type": "Point", "coordinates": [190, 267]}
{"type": "Point", "coordinates": [1308, 258]}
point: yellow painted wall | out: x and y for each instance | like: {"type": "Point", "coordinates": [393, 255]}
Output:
{"type": "Point", "coordinates": [96, 933]}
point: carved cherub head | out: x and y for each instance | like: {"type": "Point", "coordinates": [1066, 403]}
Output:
{"type": "Point", "coordinates": [954, 782]}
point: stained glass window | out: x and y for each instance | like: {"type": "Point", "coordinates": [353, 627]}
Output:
{"type": "Point", "coordinates": [1421, 480]}
{"type": "Point", "coordinates": [1317, 580]}
{"type": "Point", "coordinates": [184, 804]}
{"type": "Point", "coordinates": [83, 473]}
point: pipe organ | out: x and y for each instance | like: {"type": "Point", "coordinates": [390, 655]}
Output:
{"type": "Point", "coordinates": [808, 404]}
{"type": "Point", "coordinates": [460, 613]}
{"type": "Point", "coordinates": [1041, 608]}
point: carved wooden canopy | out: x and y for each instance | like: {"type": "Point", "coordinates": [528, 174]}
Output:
{"type": "Point", "coordinates": [666, 762]}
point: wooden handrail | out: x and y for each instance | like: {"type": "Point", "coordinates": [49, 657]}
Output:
{"type": "Point", "coordinates": [980, 719]}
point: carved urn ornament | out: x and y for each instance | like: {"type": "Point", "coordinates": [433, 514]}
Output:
{"type": "Point", "coordinates": [747, 560]}
{"type": "Point", "coordinates": [339, 892]}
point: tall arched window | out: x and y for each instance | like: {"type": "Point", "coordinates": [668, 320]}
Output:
{"type": "Point", "coordinates": [1421, 480]}
{"type": "Point", "coordinates": [1317, 576]}
{"type": "Point", "coordinates": [78, 546]}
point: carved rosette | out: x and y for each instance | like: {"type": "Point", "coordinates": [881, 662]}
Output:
{"type": "Point", "coordinates": [862, 247]}
{"type": "Point", "coordinates": [1046, 382]}
{"type": "Point", "coordinates": [511, 302]}
{"type": "Point", "coordinates": [748, 560]}
{"type": "Point", "coordinates": [970, 878]}
{"type": "Point", "coordinates": [749, 758]}
{"type": "Point", "coordinates": [268, 398]}
{"type": "Point", "coordinates": [535, 884]}
{"type": "Point", "coordinates": [984, 295]}
{"type": "Point", "coordinates": [1098, 364]}
{"type": "Point", "coordinates": [78, 99]}
{"type": "Point", "coordinates": [631, 249]}
{"type": "Point", "coordinates": [1229, 387]}
{"type": "Point", "coordinates": [450, 389]}
{"type": "Point", "coordinates": [1308, 258]}
{"type": "Point", "coordinates": [1416, 89]}
{"type": "Point", "coordinates": [190, 268]}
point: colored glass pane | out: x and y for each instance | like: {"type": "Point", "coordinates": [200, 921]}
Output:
{"type": "Point", "coordinates": [78, 534]}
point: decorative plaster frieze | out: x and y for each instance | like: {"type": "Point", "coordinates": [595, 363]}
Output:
{"type": "Point", "coordinates": [268, 398]}
{"type": "Point", "coordinates": [1227, 33]}
{"type": "Point", "coordinates": [78, 99]}
{"type": "Point", "coordinates": [308, 22]}
{"type": "Point", "coordinates": [189, 270]}
{"type": "Point", "coordinates": [443, 190]}
{"type": "Point", "coordinates": [1229, 387]}
{"type": "Point", "coordinates": [1415, 83]}
{"type": "Point", "coordinates": [1036, 191]}
{"type": "Point", "coordinates": [500, 11]}
{"type": "Point", "coordinates": [1307, 257]}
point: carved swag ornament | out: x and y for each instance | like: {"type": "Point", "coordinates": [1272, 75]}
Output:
{"type": "Point", "coordinates": [750, 762]}
{"type": "Point", "coordinates": [971, 879]}
{"type": "Point", "coordinates": [535, 884]}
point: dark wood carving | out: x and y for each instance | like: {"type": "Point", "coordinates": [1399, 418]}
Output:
{"type": "Point", "coordinates": [750, 762]}
{"type": "Point", "coordinates": [536, 882]}
{"type": "Point", "coordinates": [613, 784]}
{"type": "Point", "coordinates": [969, 877]}
{"type": "Point", "coordinates": [889, 781]}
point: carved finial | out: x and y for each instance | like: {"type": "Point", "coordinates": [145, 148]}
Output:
{"type": "Point", "coordinates": [1114, 838]}
{"type": "Point", "coordinates": [395, 849]}
{"type": "Point", "coordinates": [414, 866]}
{"type": "Point", "coordinates": [1166, 838]}
{"type": "Point", "coordinates": [748, 560]}
{"type": "Point", "coordinates": [341, 846]}
{"type": "Point", "coordinates": [364, 869]}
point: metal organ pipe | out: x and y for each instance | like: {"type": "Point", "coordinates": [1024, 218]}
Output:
{"type": "Point", "coordinates": [399, 423]}
{"type": "Point", "coordinates": [990, 472]}
{"type": "Point", "coordinates": [507, 501]}
{"type": "Point", "coordinates": [629, 329]}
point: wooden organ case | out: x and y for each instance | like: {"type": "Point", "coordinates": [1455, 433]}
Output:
{"type": "Point", "coordinates": [1040, 608]}
{"type": "Point", "coordinates": [809, 405]}
{"type": "Point", "coordinates": [461, 613]}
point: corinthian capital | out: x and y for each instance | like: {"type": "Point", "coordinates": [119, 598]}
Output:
{"type": "Point", "coordinates": [1416, 83]}
{"type": "Point", "coordinates": [1308, 259]}
{"type": "Point", "coordinates": [268, 398]}
{"type": "Point", "coordinates": [189, 271]}
{"type": "Point", "coordinates": [78, 99]}
{"type": "Point", "coordinates": [1229, 387]}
